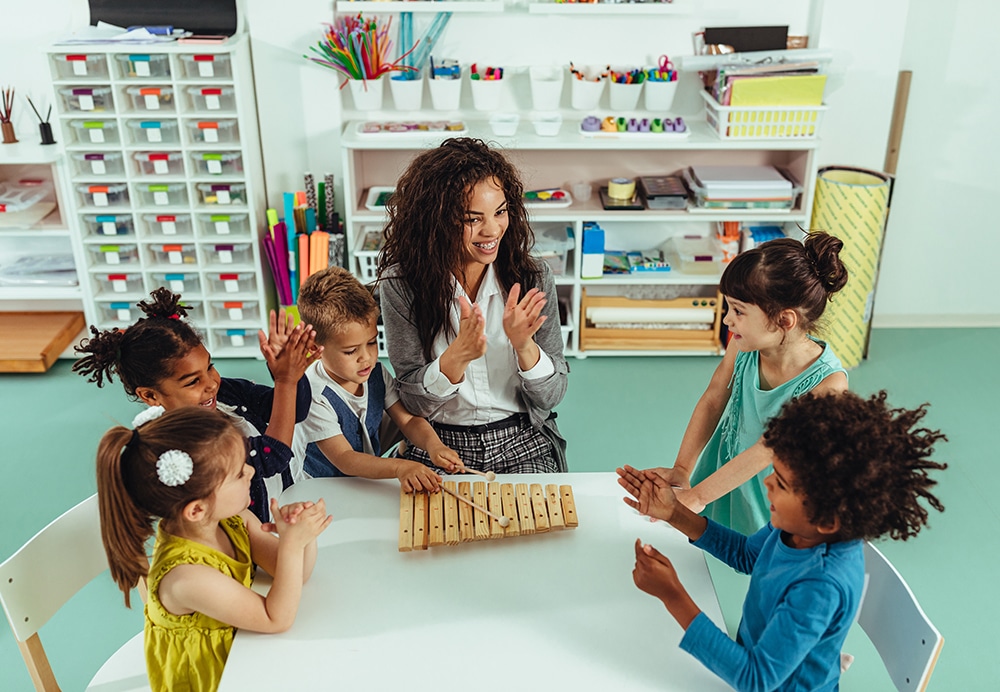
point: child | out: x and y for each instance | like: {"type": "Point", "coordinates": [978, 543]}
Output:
{"type": "Point", "coordinates": [162, 361]}
{"type": "Point", "coordinates": [775, 294]}
{"type": "Point", "coordinates": [351, 390]}
{"type": "Point", "coordinates": [846, 469]}
{"type": "Point", "coordinates": [471, 319]}
{"type": "Point", "coordinates": [187, 468]}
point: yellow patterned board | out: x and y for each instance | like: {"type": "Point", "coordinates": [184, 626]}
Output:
{"type": "Point", "coordinates": [442, 519]}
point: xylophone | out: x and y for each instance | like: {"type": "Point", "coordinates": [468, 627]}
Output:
{"type": "Point", "coordinates": [432, 519]}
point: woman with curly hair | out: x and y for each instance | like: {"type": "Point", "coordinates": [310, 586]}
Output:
{"type": "Point", "coordinates": [846, 470]}
{"type": "Point", "coordinates": [471, 319]}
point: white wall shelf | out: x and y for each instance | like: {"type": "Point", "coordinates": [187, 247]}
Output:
{"type": "Point", "coordinates": [419, 7]}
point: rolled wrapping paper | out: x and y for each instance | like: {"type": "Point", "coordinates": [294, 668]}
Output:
{"type": "Point", "coordinates": [599, 315]}
{"type": "Point", "coordinates": [621, 188]}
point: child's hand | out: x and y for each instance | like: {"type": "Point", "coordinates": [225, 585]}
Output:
{"type": "Point", "coordinates": [309, 522]}
{"type": "Point", "coordinates": [655, 574]}
{"type": "Point", "coordinates": [289, 514]}
{"type": "Point", "coordinates": [297, 354]}
{"type": "Point", "coordinates": [414, 477]}
{"type": "Point", "coordinates": [630, 479]}
{"type": "Point", "coordinates": [470, 343]}
{"type": "Point", "coordinates": [651, 495]}
{"type": "Point", "coordinates": [522, 319]}
{"type": "Point", "coordinates": [279, 329]}
{"type": "Point", "coordinates": [446, 458]}
{"type": "Point", "coordinates": [677, 478]}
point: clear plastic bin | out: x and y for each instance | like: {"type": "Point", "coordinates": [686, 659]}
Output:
{"type": "Point", "coordinates": [162, 194]}
{"type": "Point", "coordinates": [104, 195]}
{"type": "Point", "coordinates": [98, 163]}
{"type": "Point", "coordinates": [234, 338]}
{"type": "Point", "coordinates": [159, 162]}
{"type": "Point", "coordinates": [237, 282]}
{"type": "Point", "coordinates": [185, 283]}
{"type": "Point", "coordinates": [117, 313]}
{"type": "Point", "coordinates": [222, 131]}
{"type": "Point", "coordinates": [143, 65]}
{"type": "Point", "coordinates": [110, 284]}
{"type": "Point", "coordinates": [127, 254]}
{"type": "Point", "coordinates": [369, 245]}
{"type": "Point", "coordinates": [219, 98]}
{"type": "Point", "coordinates": [223, 225]}
{"type": "Point", "coordinates": [217, 162]}
{"type": "Point", "coordinates": [695, 254]}
{"type": "Point", "coordinates": [552, 244]}
{"type": "Point", "coordinates": [703, 201]}
{"type": "Point", "coordinates": [234, 310]}
{"type": "Point", "coordinates": [203, 66]}
{"type": "Point", "coordinates": [80, 66]}
{"type": "Point", "coordinates": [151, 98]}
{"type": "Point", "coordinates": [108, 225]}
{"type": "Point", "coordinates": [196, 310]}
{"type": "Point", "coordinates": [153, 131]}
{"type": "Point", "coordinates": [87, 99]}
{"type": "Point", "coordinates": [166, 225]}
{"type": "Point", "coordinates": [232, 253]}
{"type": "Point", "coordinates": [94, 131]}
{"type": "Point", "coordinates": [226, 193]}
{"type": "Point", "coordinates": [173, 254]}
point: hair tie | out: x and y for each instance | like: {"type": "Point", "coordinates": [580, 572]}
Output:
{"type": "Point", "coordinates": [151, 413]}
{"type": "Point", "coordinates": [174, 467]}
{"type": "Point", "coordinates": [175, 316]}
{"type": "Point", "coordinates": [131, 441]}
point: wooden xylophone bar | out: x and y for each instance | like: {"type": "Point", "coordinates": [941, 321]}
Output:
{"type": "Point", "coordinates": [432, 519]}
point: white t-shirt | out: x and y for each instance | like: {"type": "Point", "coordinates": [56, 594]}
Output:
{"type": "Point", "coordinates": [322, 422]}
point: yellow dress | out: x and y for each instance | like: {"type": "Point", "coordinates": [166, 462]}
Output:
{"type": "Point", "coordinates": [186, 653]}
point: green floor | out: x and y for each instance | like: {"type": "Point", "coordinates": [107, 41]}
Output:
{"type": "Point", "coordinates": [617, 410]}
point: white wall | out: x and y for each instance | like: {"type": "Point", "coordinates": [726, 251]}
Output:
{"type": "Point", "coordinates": [939, 241]}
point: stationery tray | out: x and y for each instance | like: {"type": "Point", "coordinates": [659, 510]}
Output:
{"type": "Point", "coordinates": [377, 196]}
{"type": "Point", "coordinates": [411, 128]}
{"type": "Point", "coordinates": [548, 199]}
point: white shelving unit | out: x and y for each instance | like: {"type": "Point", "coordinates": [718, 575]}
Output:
{"type": "Point", "coordinates": [166, 182]}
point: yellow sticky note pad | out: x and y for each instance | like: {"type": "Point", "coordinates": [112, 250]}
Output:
{"type": "Point", "coordinates": [791, 90]}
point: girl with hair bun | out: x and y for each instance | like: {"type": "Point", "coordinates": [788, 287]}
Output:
{"type": "Point", "coordinates": [775, 294]}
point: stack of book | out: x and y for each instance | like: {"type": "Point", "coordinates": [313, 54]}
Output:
{"type": "Point", "coordinates": [741, 187]}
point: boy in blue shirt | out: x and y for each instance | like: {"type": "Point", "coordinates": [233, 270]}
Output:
{"type": "Point", "coordinates": [846, 469]}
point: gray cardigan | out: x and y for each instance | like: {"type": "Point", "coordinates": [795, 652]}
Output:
{"type": "Point", "coordinates": [407, 358]}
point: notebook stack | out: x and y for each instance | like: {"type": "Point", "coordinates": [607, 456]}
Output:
{"type": "Point", "coordinates": [741, 187]}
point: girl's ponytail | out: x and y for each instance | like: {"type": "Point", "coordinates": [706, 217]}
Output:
{"type": "Point", "coordinates": [104, 351]}
{"type": "Point", "coordinates": [164, 304]}
{"type": "Point", "coordinates": [823, 251]}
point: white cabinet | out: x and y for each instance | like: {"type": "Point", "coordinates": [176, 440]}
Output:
{"type": "Point", "coordinates": [166, 182]}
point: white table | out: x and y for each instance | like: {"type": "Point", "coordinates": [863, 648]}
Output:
{"type": "Point", "coordinates": [555, 611]}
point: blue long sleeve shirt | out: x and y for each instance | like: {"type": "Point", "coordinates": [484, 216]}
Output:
{"type": "Point", "coordinates": [797, 612]}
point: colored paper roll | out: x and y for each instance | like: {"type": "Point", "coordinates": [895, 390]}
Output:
{"type": "Point", "coordinates": [621, 188]}
{"type": "Point", "coordinates": [852, 204]}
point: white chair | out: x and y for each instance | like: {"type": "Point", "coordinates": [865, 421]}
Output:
{"type": "Point", "coordinates": [905, 638]}
{"type": "Point", "coordinates": [43, 575]}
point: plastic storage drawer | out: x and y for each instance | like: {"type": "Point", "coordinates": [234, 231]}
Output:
{"type": "Point", "coordinates": [112, 283]}
{"type": "Point", "coordinates": [222, 131]}
{"type": "Point", "coordinates": [79, 66]}
{"type": "Point", "coordinates": [87, 99]}
{"type": "Point", "coordinates": [220, 194]}
{"type": "Point", "coordinates": [108, 225]}
{"type": "Point", "coordinates": [179, 254]}
{"type": "Point", "coordinates": [217, 162]}
{"type": "Point", "coordinates": [203, 66]}
{"type": "Point", "coordinates": [234, 338]}
{"type": "Point", "coordinates": [236, 282]}
{"type": "Point", "coordinates": [231, 253]}
{"type": "Point", "coordinates": [151, 98]}
{"type": "Point", "coordinates": [124, 254]}
{"type": "Point", "coordinates": [212, 98]}
{"type": "Point", "coordinates": [104, 195]}
{"type": "Point", "coordinates": [143, 66]}
{"type": "Point", "coordinates": [223, 225]}
{"type": "Point", "coordinates": [117, 313]}
{"type": "Point", "coordinates": [166, 225]}
{"type": "Point", "coordinates": [153, 131]}
{"type": "Point", "coordinates": [552, 244]}
{"type": "Point", "coordinates": [159, 162]}
{"type": "Point", "coordinates": [162, 194]}
{"type": "Point", "coordinates": [178, 282]}
{"type": "Point", "coordinates": [98, 163]}
{"type": "Point", "coordinates": [94, 131]}
{"type": "Point", "coordinates": [695, 254]}
{"type": "Point", "coordinates": [234, 310]}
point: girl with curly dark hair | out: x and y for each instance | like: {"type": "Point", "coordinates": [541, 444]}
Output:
{"type": "Point", "coordinates": [846, 469]}
{"type": "Point", "coordinates": [161, 361]}
{"type": "Point", "coordinates": [471, 319]}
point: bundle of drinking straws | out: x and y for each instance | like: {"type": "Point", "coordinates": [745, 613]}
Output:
{"type": "Point", "coordinates": [358, 48]}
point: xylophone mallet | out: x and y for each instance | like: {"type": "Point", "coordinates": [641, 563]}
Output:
{"type": "Point", "coordinates": [503, 521]}
{"type": "Point", "coordinates": [488, 475]}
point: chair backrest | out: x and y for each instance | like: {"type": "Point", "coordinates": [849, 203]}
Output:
{"type": "Point", "coordinates": [904, 636]}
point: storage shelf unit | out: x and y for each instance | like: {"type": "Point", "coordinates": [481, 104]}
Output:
{"type": "Point", "coordinates": [167, 182]}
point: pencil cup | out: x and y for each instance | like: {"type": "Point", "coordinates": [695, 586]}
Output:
{"type": "Point", "coordinates": [445, 93]}
{"type": "Point", "coordinates": [486, 94]}
{"type": "Point", "coordinates": [659, 95]}
{"type": "Point", "coordinates": [624, 97]}
{"type": "Point", "coordinates": [8, 133]}
{"type": "Point", "coordinates": [367, 94]}
{"type": "Point", "coordinates": [546, 87]}
{"type": "Point", "coordinates": [585, 94]}
{"type": "Point", "coordinates": [407, 94]}
{"type": "Point", "coordinates": [45, 129]}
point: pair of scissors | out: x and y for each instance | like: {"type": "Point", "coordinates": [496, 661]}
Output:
{"type": "Point", "coordinates": [666, 67]}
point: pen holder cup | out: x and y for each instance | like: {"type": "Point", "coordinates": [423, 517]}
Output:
{"type": "Point", "coordinates": [624, 97]}
{"type": "Point", "coordinates": [407, 94]}
{"type": "Point", "coordinates": [367, 94]}
{"type": "Point", "coordinates": [659, 95]}
{"type": "Point", "coordinates": [486, 94]}
{"type": "Point", "coordinates": [45, 130]}
{"type": "Point", "coordinates": [445, 93]}
{"type": "Point", "coordinates": [585, 94]}
{"type": "Point", "coordinates": [546, 87]}
{"type": "Point", "coordinates": [8, 133]}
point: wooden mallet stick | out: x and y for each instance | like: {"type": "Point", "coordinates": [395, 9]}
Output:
{"type": "Point", "coordinates": [503, 521]}
{"type": "Point", "coordinates": [488, 475]}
